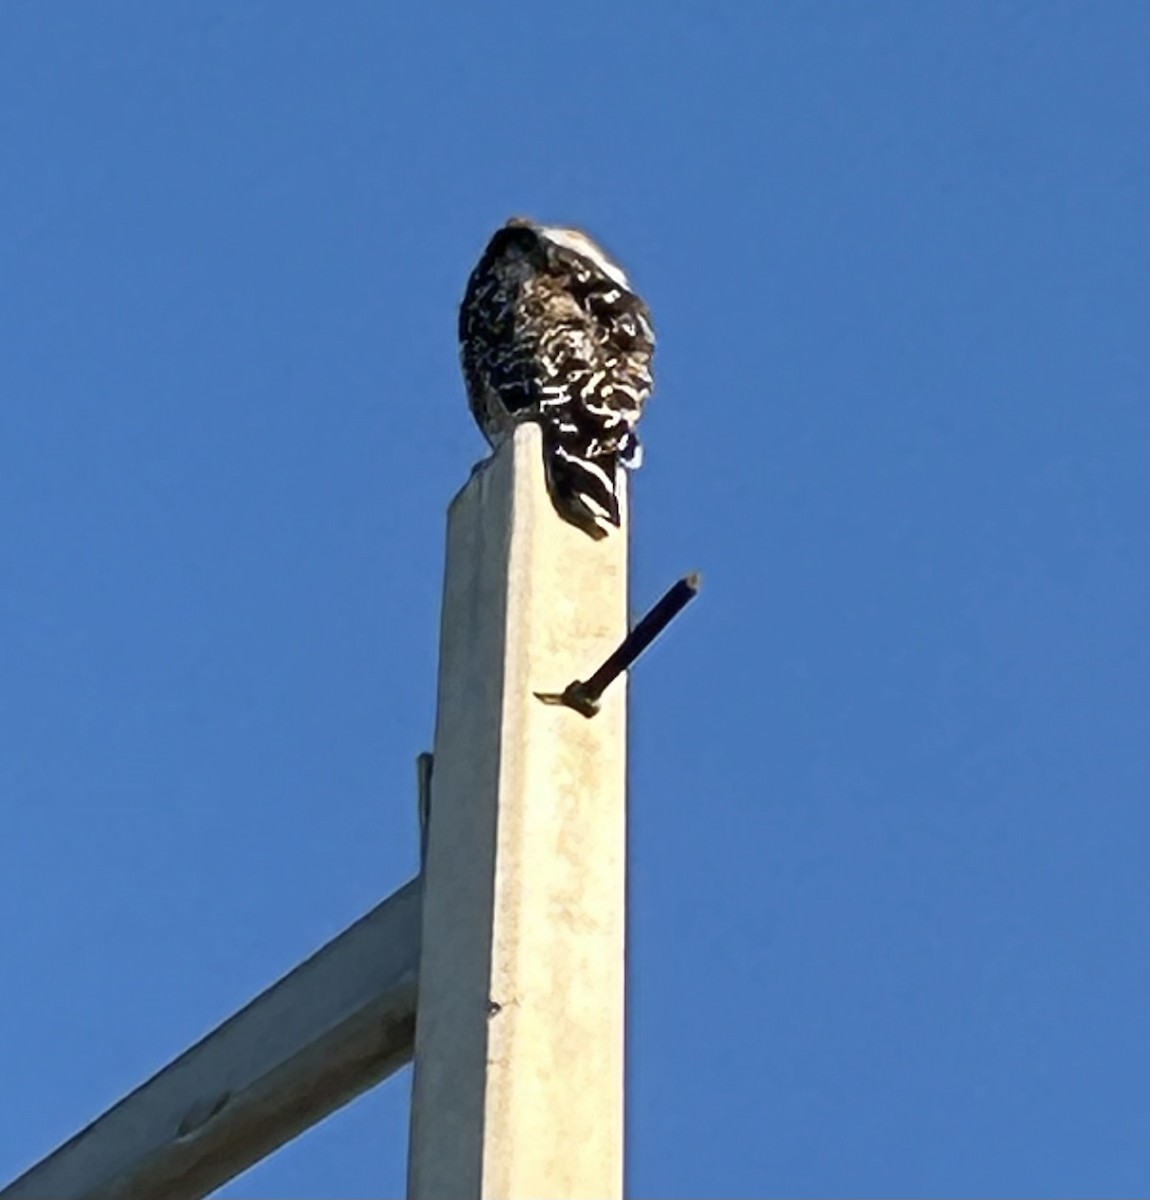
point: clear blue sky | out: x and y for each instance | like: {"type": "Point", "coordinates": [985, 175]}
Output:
{"type": "Point", "coordinates": [889, 808]}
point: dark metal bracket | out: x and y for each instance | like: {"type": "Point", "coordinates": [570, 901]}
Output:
{"type": "Point", "coordinates": [423, 767]}
{"type": "Point", "coordinates": [584, 695]}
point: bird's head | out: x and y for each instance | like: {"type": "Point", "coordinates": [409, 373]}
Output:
{"type": "Point", "coordinates": [576, 241]}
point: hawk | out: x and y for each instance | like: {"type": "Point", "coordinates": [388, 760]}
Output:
{"type": "Point", "coordinates": [551, 331]}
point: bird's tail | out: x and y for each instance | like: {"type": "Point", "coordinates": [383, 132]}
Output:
{"type": "Point", "coordinates": [584, 481]}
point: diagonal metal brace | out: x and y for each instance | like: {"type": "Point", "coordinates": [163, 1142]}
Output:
{"type": "Point", "coordinates": [584, 695]}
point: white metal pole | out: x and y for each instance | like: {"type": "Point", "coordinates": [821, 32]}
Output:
{"type": "Point", "coordinates": [518, 1088]}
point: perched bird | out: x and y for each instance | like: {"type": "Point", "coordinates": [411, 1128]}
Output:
{"type": "Point", "coordinates": [551, 331]}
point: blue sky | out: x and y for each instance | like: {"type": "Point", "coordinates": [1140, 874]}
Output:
{"type": "Point", "coordinates": [890, 915]}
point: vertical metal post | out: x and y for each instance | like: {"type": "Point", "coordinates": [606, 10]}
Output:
{"type": "Point", "coordinates": [518, 1086]}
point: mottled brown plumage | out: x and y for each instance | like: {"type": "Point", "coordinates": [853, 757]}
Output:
{"type": "Point", "coordinates": [551, 331]}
